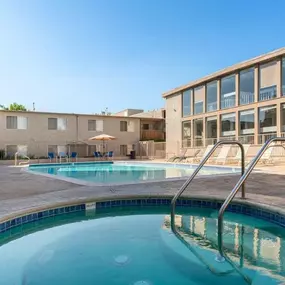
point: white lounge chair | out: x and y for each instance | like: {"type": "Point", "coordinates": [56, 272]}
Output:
{"type": "Point", "coordinates": [201, 155]}
{"type": "Point", "coordinates": [237, 158]}
{"type": "Point", "coordinates": [222, 156]}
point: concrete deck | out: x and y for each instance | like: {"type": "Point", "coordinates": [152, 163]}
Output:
{"type": "Point", "coordinates": [21, 191]}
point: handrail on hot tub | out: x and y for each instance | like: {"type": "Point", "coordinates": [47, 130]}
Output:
{"type": "Point", "coordinates": [189, 180]}
{"type": "Point", "coordinates": [239, 184]}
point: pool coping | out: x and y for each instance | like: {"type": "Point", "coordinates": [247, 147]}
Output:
{"type": "Point", "coordinates": [88, 183]}
{"type": "Point", "coordinates": [273, 214]}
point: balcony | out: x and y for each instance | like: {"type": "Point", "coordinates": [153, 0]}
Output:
{"type": "Point", "coordinates": [246, 98]}
{"type": "Point", "coordinates": [152, 135]}
{"type": "Point", "coordinates": [211, 106]}
{"type": "Point", "coordinates": [267, 93]}
{"type": "Point", "coordinates": [228, 102]}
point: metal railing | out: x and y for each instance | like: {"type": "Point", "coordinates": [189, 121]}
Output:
{"type": "Point", "coordinates": [22, 162]}
{"type": "Point", "coordinates": [205, 159]}
{"type": "Point", "coordinates": [240, 184]}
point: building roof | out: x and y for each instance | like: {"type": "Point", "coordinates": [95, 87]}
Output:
{"type": "Point", "coordinates": [74, 114]}
{"type": "Point", "coordinates": [226, 71]}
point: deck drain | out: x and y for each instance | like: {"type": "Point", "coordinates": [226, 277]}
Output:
{"type": "Point", "coordinates": [122, 259]}
{"type": "Point", "coordinates": [142, 282]}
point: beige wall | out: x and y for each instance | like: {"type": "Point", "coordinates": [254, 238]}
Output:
{"type": "Point", "coordinates": [38, 137]}
{"type": "Point", "coordinates": [173, 120]}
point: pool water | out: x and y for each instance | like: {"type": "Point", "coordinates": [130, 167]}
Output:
{"type": "Point", "coordinates": [125, 172]}
{"type": "Point", "coordinates": [137, 247]}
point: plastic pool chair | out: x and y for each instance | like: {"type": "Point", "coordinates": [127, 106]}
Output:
{"type": "Point", "coordinates": [51, 156]}
{"type": "Point", "coordinates": [62, 155]}
{"type": "Point", "coordinates": [237, 158]}
{"type": "Point", "coordinates": [222, 156]}
{"type": "Point", "coordinates": [73, 155]}
{"type": "Point", "coordinates": [97, 155]}
{"type": "Point", "coordinates": [109, 154]}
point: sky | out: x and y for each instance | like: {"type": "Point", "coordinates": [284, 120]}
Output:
{"type": "Point", "coordinates": [85, 56]}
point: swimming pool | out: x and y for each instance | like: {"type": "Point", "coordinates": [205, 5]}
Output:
{"type": "Point", "coordinates": [123, 172]}
{"type": "Point", "coordinates": [135, 246]}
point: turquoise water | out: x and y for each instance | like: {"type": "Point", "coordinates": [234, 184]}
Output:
{"type": "Point", "coordinates": [138, 247]}
{"type": "Point", "coordinates": [125, 172]}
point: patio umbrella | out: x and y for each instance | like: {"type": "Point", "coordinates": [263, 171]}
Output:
{"type": "Point", "coordinates": [102, 138]}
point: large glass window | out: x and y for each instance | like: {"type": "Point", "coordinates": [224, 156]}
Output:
{"type": "Point", "coordinates": [267, 119]}
{"type": "Point", "coordinates": [246, 119]}
{"type": "Point", "coordinates": [246, 86]}
{"type": "Point", "coordinates": [199, 100]}
{"type": "Point", "coordinates": [186, 103]}
{"type": "Point", "coordinates": [283, 118]}
{"type": "Point", "coordinates": [211, 96]}
{"type": "Point", "coordinates": [268, 75]}
{"type": "Point", "coordinates": [228, 124]}
{"type": "Point", "coordinates": [283, 76]}
{"type": "Point", "coordinates": [211, 130]}
{"type": "Point", "coordinates": [16, 122]}
{"type": "Point", "coordinates": [198, 132]}
{"type": "Point", "coordinates": [186, 134]}
{"type": "Point", "coordinates": [228, 91]}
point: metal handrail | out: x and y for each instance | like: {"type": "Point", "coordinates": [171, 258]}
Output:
{"type": "Point", "coordinates": [236, 189]}
{"type": "Point", "coordinates": [22, 162]}
{"type": "Point", "coordinates": [189, 180]}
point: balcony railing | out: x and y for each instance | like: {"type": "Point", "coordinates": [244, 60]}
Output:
{"type": "Point", "coordinates": [152, 135]}
{"type": "Point", "coordinates": [228, 103]}
{"type": "Point", "coordinates": [211, 106]}
{"type": "Point", "coordinates": [267, 93]}
{"type": "Point", "coordinates": [246, 98]}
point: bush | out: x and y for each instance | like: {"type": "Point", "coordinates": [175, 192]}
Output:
{"type": "Point", "coordinates": [2, 154]}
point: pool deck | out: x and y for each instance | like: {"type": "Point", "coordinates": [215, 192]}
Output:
{"type": "Point", "coordinates": [21, 191]}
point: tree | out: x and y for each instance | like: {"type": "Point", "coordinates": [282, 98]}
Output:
{"type": "Point", "coordinates": [17, 107]}
{"type": "Point", "coordinates": [3, 107]}
{"type": "Point", "coordinates": [14, 107]}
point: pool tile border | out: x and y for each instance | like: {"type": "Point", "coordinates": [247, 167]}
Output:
{"type": "Point", "coordinates": [240, 208]}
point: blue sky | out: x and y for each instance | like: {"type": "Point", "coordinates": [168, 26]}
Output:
{"type": "Point", "coordinates": [83, 56]}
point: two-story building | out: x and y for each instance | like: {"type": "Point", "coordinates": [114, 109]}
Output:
{"type": "Point", "coordinates": [245, 102]}
{"type": "Point", "coordinates": [37, 133]}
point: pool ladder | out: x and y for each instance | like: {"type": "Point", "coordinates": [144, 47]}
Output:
{"type": "Point", "coordinates": [239, 184]}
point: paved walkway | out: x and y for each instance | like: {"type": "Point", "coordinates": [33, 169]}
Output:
{"type": "Point", "coordinates": [20, 191]}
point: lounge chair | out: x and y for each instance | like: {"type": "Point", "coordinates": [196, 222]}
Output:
{"type": "Point", "coordinates": [202, 154]}
{"type": "Point", "coordinates": [62, 155]}
{"type": "Point", "coordinates": [237, 159]}
{"type": "Point", "coordinates": [178, 157]}
{"type": "Point", "coordinates": [267, 157]}
{"type": "Point", "coordinates": [97, 155]}
{"type": "Point", "coordinates": [222, 156]}
{"type": "Point", "coordinates": [109, 154]}
{"type": "Point", "coordinates": [189, 158]}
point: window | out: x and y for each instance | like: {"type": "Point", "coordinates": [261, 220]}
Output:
{"type": "Point", "coordinates": [228, 124]}
{"type": "Point", "coordinates": [57, 124]}
{"type": "Point", "coordinates": [186, 134]}
{"type": "Point", "coordinates": [246, 85]}
{"type": "Point", "coordinates": [11, 150]}
{"type": "Point", "coordinates": [199, 100]}
{"type": "Point", "coordinates": [246, 122]}
{"type": "Point", "coordinates": [283, 77]}
{"type": "Point", "coordinates": [211, 130]}
{"type": "Point", "coordinates": [198, 132]}
{"type": "Point", "coordinates": [267, 119]}
{"type": "Point", "coordinates": [16, 122]}
{"type": "Point", "coordinates": [123, 149]}
{"type": "Point", "coordinates": [123, 126]}
{"type": "Point", "coordinates": [211, 96]}
{"type": "Point", "coordinates": [268, 74]}
{"type": "Point", "coordinates": [186, 103]}
{"type": "Point", "coordinates": [145, 126]}
{"type": "Point", "coordinates": [56, 149]}
{"type": "Point", "coordinates": [95, 125]}
{"type": "Point", "coordinates": [283, 117]}
{"type": "Point", "coordinates": [228, 92]}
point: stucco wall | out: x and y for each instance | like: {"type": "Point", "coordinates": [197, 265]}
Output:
{"type": "Point", "coordinates": [173, 123]}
